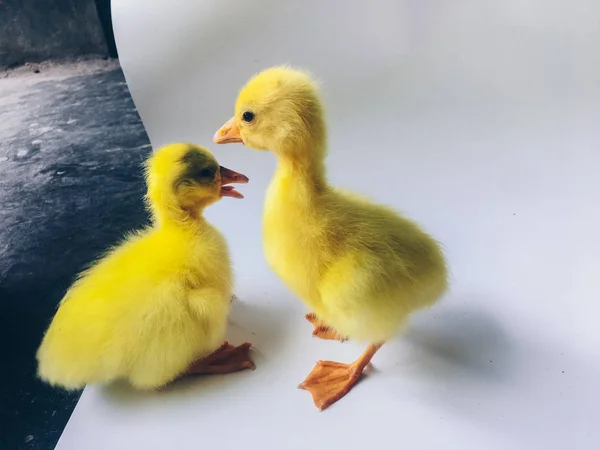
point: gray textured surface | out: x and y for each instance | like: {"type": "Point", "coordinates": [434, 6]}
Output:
{"type": "Point", "coordinates": [37, 30]}
{"type": "Point", "coordinates": [71, 145]}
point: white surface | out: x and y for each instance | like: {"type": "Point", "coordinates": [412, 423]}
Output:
{"type": "Point", "coordinates": [478, 118]}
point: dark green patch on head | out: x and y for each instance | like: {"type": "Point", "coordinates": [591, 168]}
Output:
{"type": "Point", "coordinates": [200, 168]}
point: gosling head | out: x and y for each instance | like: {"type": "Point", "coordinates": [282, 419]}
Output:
{"type": "Point", "coordinates": [184, 178]}
{"type": "Point", "coordinates": [279, 110]}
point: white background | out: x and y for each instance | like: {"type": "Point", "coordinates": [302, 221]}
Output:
{"type": "Point", "coordinates": [478, 118]}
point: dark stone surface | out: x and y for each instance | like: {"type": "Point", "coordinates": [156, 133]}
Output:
{"type": "Point", "coordinates": [105, 16]}
{"type": "Point", "coordinates": [37, 30]}
{"type": "Point", "coordinates": [70, 186]}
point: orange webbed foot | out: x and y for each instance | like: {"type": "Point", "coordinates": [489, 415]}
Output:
{"type": "Point", "coordinates": [329, 381]}
{"type": "Point", "coordinates": [226, 359]}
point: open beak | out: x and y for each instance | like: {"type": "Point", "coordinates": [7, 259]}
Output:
{"type": "Point", "coordinates": [228, 176]}
{"type": "Point", "coordinates": [228, 133]}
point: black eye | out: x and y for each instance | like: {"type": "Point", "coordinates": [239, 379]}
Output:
{"type": "Point", "coordinates": [205, 173]}
{"type": "Point", "coordinates": [248, 116]}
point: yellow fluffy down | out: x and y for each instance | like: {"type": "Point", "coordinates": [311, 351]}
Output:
{"type": "Point", "coordinates": [361, 267]}
{"type": "Point", "coordinates": [145, 311]}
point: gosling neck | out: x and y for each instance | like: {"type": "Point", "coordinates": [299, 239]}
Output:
{"type": "Point", "coordinates": [189, 219]}
{"type": "Point", "coordinates": [303, 162]}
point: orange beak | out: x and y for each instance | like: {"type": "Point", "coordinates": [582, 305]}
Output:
{"type": "Point", "coordinates": [228, 133]}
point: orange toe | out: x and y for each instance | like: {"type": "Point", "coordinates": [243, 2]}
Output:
{"type": "Point", "coordinates": [329, 381]}
{"type": "Point", "coordinates": [328, 333]}
{"type": "Point", "coordinates": [323, 331]}
{"type": "Point", "coordinates": [226, 359]}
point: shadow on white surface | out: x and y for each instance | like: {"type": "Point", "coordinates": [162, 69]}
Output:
{"type": "Point", "coordinates": [466, 343]}
{"type": "Point", "coordinates": [460, 357]}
